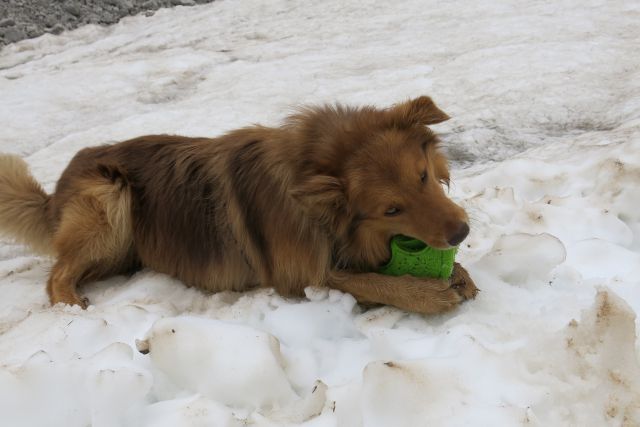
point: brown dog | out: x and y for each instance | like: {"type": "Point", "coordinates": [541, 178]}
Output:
{"type": "Point", "coordinates": [311, 203]}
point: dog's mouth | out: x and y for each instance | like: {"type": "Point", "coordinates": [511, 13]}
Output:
{"type": "Point", "coordinates": [407, 244]}
{"type": "Point", "coordinates": [410, 243]}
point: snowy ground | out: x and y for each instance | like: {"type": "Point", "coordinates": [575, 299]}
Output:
{"type": "Point", "coordinates": [545, 99]}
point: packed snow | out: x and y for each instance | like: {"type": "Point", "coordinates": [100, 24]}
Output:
{"type": "Point", "coordinates": [545, 142]}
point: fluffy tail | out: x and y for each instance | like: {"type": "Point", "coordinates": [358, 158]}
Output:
{"type": "Point", "coordinates": [23, 206]}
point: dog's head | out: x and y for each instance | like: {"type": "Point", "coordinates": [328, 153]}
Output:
{"type": "Point", "coordinates": [372, 174]}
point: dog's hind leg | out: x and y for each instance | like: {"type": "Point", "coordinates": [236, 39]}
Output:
{"type": "Point", "coordinates": [92, 240]}
{"type": "Point", "coordinates": [62, 283]}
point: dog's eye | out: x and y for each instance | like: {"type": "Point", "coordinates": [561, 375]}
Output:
{"type": "Point", "coordinates": [392, 211]}
{"type": "Point", "coordinates": [423, 177]}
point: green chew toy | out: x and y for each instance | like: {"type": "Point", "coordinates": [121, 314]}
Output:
{"type": "Point", "coordinates": [414, 257]}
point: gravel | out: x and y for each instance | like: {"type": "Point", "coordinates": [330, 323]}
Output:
{"type": "Point", "coordinates": [25, 19]}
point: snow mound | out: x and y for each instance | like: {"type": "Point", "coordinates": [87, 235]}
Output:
{"type": "Point", "coordinates": [194, 411]}
{"type": "Point", "coordinates": [518, 258]}
{"type": "Point", "coordinates": [236, 365]}
{"type": "Point", "coordinates": [105, 389]}
{"type": "Point", "coordinates": [589, 375]}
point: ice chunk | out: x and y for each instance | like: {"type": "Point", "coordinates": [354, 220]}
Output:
{"type": "Point", "coordinates": [517, 258]}
{"type": "Point", "coordinates": [599, 258]}
{"type": "Point", "coordinates": [194, 411]}
{"type": "Point", "coordinates": [236, 365]}
{"type": "Point", "coordinates": [589, 374]}
{"type": "Point", "coordinates": [434, 392]}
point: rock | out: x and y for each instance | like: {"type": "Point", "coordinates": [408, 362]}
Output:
{"type": "Point", "coordinates": [33, 31]}
{"type": "Point", "coordinates": [50, 21]}
{"type": "Point", "coordinates": [21, 19]}
{"type": "Point", "coordinates": [7, 22]}
{"type": "Point", "coordinates": [72, 9]}
{"type": "Point", "coordinates": [57, 29]}
{"type": "Point", "coordinates": [13, 35]}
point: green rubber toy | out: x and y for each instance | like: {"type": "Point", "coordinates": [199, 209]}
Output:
{"type": "Point", "coordinates": [414, 257]}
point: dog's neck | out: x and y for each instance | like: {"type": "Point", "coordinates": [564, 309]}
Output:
{"type": "Point", "coordinates": [360, 249]}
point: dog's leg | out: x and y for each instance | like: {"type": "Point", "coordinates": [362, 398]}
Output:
{"type": "Point", "coordinates": [62, 283]}
{"type": "Point", "coordinates": [93, 240]}
{"type": "Point", "coordinates": [420, 295]}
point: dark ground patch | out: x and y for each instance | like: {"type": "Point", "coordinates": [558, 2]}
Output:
{"type": "Point", "coordinates": [25, 19]}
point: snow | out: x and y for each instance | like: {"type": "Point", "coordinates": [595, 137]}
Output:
{"type": "Point", "coordinates": [545, 139]}
{"type": "Point", "coordinates": [246, 364]}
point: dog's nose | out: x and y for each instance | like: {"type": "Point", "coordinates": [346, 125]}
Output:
{"type": "Point", "coordinates": [459, 235]}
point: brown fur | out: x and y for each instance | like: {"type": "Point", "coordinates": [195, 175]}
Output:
{"type": "Point", "coordinates": [305, 204]}
{"type": "Point", "coordinates": [23, 205]}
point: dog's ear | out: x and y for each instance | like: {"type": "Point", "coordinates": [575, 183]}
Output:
{"type": "Point", "coordinates": [420, 110]}
{"type": "Point", "coordinates": [322, 196]}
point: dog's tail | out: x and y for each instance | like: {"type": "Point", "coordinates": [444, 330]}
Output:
{"type": "Point", "coordinates": [23, 206]}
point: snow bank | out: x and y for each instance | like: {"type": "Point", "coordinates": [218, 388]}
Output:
{"type": "Point", "coordinates": [518, 258]}
{"type": "Point", "coordinates": [545, 138]}
{"type": "Point", "coordinates": [105, 389]}
{"type": "Point", "coordinates": [220, 360]}
{"type": "Point", "coordinates": [238, 366]}
{"type": "Point", "coordinates": [589, 374]}
{"type": "Point", "coordinates": [586, 374]}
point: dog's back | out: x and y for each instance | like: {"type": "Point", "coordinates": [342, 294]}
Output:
{"type": "Point", "coordinates": [203, 210]}
{"type": "Point", "coordinates": [178, 193]}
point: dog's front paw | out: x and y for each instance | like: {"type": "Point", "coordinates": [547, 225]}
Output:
{"type": "Point", "coordinates": [462, 283]}
{"type": "Point", "coordinates": [427, 296]}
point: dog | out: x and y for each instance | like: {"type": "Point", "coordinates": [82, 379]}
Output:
{"type": "Point", "coordinates": [313, 202]}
